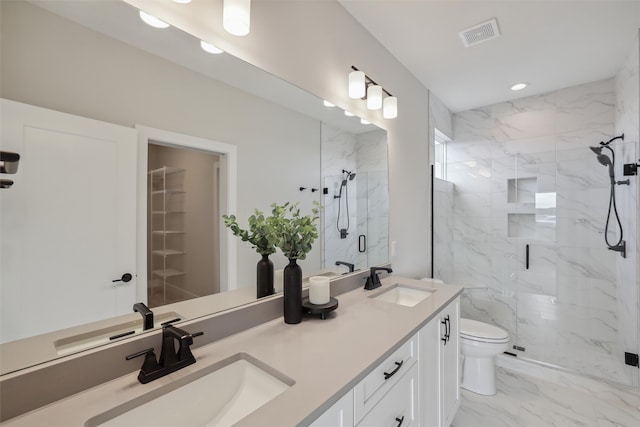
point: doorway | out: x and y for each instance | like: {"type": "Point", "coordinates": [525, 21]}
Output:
{"type": "Point", "coordinates": [183, 259]}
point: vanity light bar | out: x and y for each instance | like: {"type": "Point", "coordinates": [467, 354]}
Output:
{"type": "Point", "coordinates": [364, 87]}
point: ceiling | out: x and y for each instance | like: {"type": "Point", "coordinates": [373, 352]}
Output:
{"type": "Point", "coordinates": [550, 44]}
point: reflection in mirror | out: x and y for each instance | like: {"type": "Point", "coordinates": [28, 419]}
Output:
{"type": "Point", "coordinates": [182, 236]}
{"type": "Point", "coordinates": [102, 63]}
{"type": "Point", "coordinates": [356, 203]}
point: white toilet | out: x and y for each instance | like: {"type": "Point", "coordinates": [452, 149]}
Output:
{"type": "Point", "coordinates": [479, 344]}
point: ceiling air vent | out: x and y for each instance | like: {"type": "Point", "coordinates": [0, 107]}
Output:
{"type": "Point", "coordinates": [480, 33]}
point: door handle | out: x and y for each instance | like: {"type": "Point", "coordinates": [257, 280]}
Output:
{"type": "Point", "coordinates": [126, 277]}
{"type": "Point", "coordinates": [527, 257]}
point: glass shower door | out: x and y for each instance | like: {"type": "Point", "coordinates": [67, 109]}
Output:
{"type": "Point", "coordinates": [576, 299]}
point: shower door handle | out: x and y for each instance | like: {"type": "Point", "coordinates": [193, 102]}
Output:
{"type": "Point", "coordinates": [526, 262]}
{"type": "Point", "coordinates": [362, 243]}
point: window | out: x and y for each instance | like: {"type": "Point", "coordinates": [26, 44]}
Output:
{"type": "Point", "coordinates": [440, 157]}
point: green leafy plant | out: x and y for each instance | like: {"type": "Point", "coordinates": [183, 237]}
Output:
{"type": "Point", "coordinates": [293, 232]}
{"type": "Point", "coordinates": [259, 234]}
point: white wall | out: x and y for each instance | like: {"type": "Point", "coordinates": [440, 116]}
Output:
{"type": "Point", "coordinates": [313, 45]}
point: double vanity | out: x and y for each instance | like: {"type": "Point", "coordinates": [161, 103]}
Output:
{"type": "Point", "coordinates": [387, 356]}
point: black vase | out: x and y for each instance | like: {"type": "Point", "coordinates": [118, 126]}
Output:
{"type": "Point", "coordinates": [292, 293]}
{"type": "Point", "coordinates": [264, 276]}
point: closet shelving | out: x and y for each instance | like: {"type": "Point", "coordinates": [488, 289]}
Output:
{"type": "Point", "coordinates": [167, 226]}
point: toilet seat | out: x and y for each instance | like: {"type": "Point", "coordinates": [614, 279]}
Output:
{"type": "Point", "coordinates": [482, 332]}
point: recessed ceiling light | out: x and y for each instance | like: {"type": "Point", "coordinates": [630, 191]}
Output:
{"type": "Point", "coordinates": [348, 113]}
{"type": "Point", "coordinates": [182, 1]}
{"type": "Point", "coordinates": [365, 122]}
{"type": "Point", "coordinates": [208, 47]}
{"type": "Point", "coordinates": [328, 104]}
{"type": "Point", "coordinates": [153, 21]}
{"type": "Point", "coordinates": [519, 86]}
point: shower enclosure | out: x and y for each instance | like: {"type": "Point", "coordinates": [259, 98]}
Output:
{"type": "Point", "coordinates": [355, 198]}
{"type": "Point", "coordinates": [521, 223]}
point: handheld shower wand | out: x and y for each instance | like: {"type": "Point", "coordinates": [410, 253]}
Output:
{"type": "Point", "coordinates": [605, 160]}
{"type": "Point", "coordinates": [349, 176]}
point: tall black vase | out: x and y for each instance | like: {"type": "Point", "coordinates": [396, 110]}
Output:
{"type": "Point", "coordinates": [264, 277]}
{"type": "Point", "coordinates": [292, 293]}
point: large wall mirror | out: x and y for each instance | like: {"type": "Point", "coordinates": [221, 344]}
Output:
{"type": "Point", "coordinates": [256, 140]}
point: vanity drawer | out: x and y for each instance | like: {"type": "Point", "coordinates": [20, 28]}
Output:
{"type": "Point", "coordinates": [399, 406]}
{"type": "Point", "coordinates": [379, 381]}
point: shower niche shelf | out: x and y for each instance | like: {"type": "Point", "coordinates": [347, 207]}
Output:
{"type": "Point", "coordinates": [530, 213]}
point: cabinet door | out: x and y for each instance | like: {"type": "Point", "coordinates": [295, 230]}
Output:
{"type": "Point", "coordinates": [399, 406]}
{"type": "Point", "coordinates": [430, 373]}
{"type": "Point", "coordinates": [450, 363]}
{"type": "Point", "coordinates": [339, 415]}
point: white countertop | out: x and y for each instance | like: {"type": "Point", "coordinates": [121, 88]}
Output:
{"type": "Point", "coordinates": [325, 358]}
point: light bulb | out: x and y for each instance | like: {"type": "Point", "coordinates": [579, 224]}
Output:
{"type": "Point", "coordinates": [374, 97]}
{"type": "Point", "coordinates": [390, 107]}
{"type": "Point", "coordinates": [236, 16]}
{"type": "Point", "coordinates": [208, 47]}
{"type": "Point", "coordinates": [152, 20]}
{"type": "Point", "coordinates": [519, 86]}
{"type": "Point", "coordinates": [356, 84]}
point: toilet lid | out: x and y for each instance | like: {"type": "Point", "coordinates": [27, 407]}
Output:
{"type": "Point", "coordinates": [481, 331]}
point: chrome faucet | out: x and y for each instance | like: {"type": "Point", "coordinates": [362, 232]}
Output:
{"type": "Point", "coordinates": [350, 266]}
{"type": "Point", "coordinates": [373, 281]}
{"type": "Point", "coordinates": [147, 315]}
{"type": "Point", "coordinates": [170, 359]}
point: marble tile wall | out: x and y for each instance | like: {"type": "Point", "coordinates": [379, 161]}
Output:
{"type": "Point", "coordinates": [443, 230]}
{"type": "Point", "coordinates": [523, 175]}
{"type": "Point", "coordinates": [367, 196]}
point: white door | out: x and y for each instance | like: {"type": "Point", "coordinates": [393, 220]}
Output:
{"type": "Point", "coordinates": [68, 222]}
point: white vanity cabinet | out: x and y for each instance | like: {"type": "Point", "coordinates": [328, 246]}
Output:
{"type": "Point", "coordinates": [440, 367]}
{"type": "Point", "coordinates": [418, 384]}
{"type": "Point", "coordinates": [339, 415]}
{"type": "Point", "coordinates": [377, 384]}
{"type": "Point", "coordinates": [398, 408]}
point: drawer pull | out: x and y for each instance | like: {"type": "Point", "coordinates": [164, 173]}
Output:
{"type": "Point", "coordinates": [388, 375]}
{"type": "Point", "coordinates": [400, 420]}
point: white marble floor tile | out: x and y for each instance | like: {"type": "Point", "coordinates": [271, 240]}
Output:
{"type": "Point", "coordinates": [527, 401]}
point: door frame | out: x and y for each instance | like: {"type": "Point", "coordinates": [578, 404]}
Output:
{"type": "Point", "coordinates": [228, 199]}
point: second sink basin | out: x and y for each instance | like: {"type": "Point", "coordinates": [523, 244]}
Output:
{"type": "Point", "coordinates": [219, 395]}
{"type": "Point", "coordinates": [403, 294]}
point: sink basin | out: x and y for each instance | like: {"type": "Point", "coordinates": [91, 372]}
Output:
{"type": "Point", "coordinates": [403, 294]}
{"type": "Point", "coordinates": [219, 395]}
{"type": "Point", "coordinates": [106, 335]}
